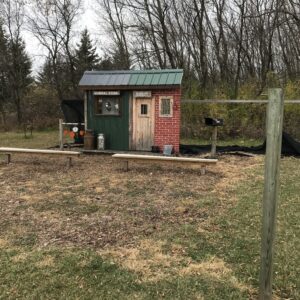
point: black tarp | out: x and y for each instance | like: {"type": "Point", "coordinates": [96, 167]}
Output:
{"type": "Point", "coordinates": [73, 111]}
{"type": "Point", "coordinates": [289, 147]}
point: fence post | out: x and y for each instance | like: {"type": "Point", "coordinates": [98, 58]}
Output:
{"type": "Point", "coordinates": [214, 142]}
{"type": "Point", "coordinates": [271, 189]}
{"type": "Point", "coordinates": [61, 134]}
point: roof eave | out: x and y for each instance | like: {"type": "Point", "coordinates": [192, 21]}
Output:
{"type": "Point", "coordinates": [129, 87]}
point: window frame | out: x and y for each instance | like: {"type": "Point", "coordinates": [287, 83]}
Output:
{"type": "Point", "coordinates": [170, 115]}
{"type": "Point", "coordinates": [140, 111]}
{"type": "Point", "coordinates": [103, 98]}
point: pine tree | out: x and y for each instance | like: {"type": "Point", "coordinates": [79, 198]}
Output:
{"type": "Point", "coordinates": [86, 57]}
{"type": "Point", "coordinates": [19, 68]}
{"type": "Point", "coordinates": [4, 90]}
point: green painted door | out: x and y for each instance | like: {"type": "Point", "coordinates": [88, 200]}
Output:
{"type": "Point", "coordinates": [114, 127]}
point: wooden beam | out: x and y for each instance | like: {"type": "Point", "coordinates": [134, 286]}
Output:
{"type": "Point", "coordinates": [271, 190]}
{"type": "Point", "coordinates": [8, 150]}
{"type": "Point", "coordinates": [164, 158]}
{"type": "Point", "coordinates": [237, 101]}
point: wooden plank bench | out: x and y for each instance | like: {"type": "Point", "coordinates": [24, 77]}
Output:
{"type": "Point", "coordinates": [8, 152]}
{"type": "Point", "coordinates": [152, 158]}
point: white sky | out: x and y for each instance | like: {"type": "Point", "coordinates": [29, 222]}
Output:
{"type": "Point", "coordinates": [87, 20]}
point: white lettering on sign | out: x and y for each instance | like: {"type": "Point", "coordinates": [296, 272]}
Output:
{"type": "Point", "coordinates": [107, 93]}
{"type": "Point", "coordinates": [142, 94]}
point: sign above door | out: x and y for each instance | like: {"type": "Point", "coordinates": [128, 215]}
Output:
{"type": "Point", "coordinates": [142, 94]}
{"type": "Point", "coordinates": [107, 93]}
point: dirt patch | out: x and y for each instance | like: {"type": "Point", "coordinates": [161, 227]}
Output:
{"type": "Point", "coordinates": [125, 216]}
{"type": "Point", "coordinates": [3, 243]}
{"type": "Point", "coordinates": [96, 204]}
{"type": "Point", "coordinates": [20, 257]}
{"type": "Point", "coordinates": [216, 268]}
{"type": "Point", "coordinates": [150, 262]}
{"type": "Point", "coordinates": [147, 259]}
{"type": "Point", "coordinates": [47, 261]}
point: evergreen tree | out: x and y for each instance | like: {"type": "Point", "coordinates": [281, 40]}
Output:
{"type": "Point", "coordinates": [19, 68]}
{"type": "Point", "coordinates": [3, 74]}
{"type": "Point", "coordinates": [86, 57]}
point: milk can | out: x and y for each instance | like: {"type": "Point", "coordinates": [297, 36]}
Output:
{"type": "Point", "coordinates": [89, 140]}
{"type": "Point", "coordinates": [100, 141]}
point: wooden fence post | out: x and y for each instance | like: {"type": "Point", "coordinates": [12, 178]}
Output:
{"type": "Point", "coordinates": [61, 134]}
{"type": "Point", "coordinates": [214, 142]}
{"type": "Point", "coordinates": [271, 189]}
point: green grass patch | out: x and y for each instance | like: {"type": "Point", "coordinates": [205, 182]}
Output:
{"type": "Point", "coordinates": [40, 139]}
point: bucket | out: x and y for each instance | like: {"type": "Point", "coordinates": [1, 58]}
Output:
{"type": "Point", "coordinates": [168, 150]}
{"type": "Point", "coordinates": [89, 140]}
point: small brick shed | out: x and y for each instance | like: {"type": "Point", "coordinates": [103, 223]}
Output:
{"type": "Point", "coordinates": [135, 110]}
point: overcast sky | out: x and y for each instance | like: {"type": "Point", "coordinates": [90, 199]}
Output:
{"type": "Point", "coordinates": [88, 19]}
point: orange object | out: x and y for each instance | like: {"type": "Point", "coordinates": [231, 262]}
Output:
{"type": "Point", "coordinates": [81, 132]}
{"type": "Point", "coordinates": [66, 132]}
{"type": "Point", "coordinates": [72, 134]}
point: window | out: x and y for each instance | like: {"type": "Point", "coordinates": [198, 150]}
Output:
{"type": "Point", "coordinates": [108, 106]}
{"type": "Point", "coordinates": [144, 109]}
{"type": "Point", "coordinates": [166, 107]}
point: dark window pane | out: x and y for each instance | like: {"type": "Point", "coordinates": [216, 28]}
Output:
{"type": "Point", "coordinates": [165, 106]}
{"type": "Point", "coordinates": [144, 109]}
{"type": "Point", "coordinates": [107, 105]}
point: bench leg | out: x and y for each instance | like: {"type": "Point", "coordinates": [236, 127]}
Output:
{"type": "Point", "coordinates": [126, 166]}
{"type": "Point", "coordinates": [69, 162]}
{"type": "Point", "coordinates": [203, 170]}
{"type": "Point", "coordinates": [8, 158]}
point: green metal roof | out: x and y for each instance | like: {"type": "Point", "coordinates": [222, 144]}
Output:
{"type": "Point", "coordinates": [167, 77]}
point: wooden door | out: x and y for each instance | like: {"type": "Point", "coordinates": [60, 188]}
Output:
{"type": "Point", "coordinates": [143, 124]}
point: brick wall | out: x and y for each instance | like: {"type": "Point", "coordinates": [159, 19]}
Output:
{"type": "Point", "coordinates": [167, 129]}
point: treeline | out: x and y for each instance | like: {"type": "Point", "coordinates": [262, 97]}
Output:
{"type": "Point", "coordinates": [25, 98]}
{"type": "Point", "coordinates": [228, 49]}
{"type": "Point", "coordinates": [222, 45]}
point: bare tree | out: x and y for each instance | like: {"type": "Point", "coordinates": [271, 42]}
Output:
{"type": "Point", "coordinates": [52, 23]}
{"type": "Point", "coordinates": [115, 21]}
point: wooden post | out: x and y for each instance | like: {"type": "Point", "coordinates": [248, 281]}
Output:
{"type": "Point", "coordinates": [61, 134]}
{"type": "Point", "coordinates": [85, 110]}
{"type": "Point", "coordinates": [8, 158]}
{"type": "Point", "coordinates": [126, 168]}
{"type": "Point", "coordinates": [69, 162]}
{"type": "Point", "coordinates": [203, 170]}
{"type": "Point", "coordinates": [214, 142]}
{"type": "Point", "coordinates": [271, 189]}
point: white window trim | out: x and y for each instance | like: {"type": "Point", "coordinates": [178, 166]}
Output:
{"type": "Point", "coordinates": [171, 98]}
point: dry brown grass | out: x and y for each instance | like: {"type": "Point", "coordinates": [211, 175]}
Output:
{"type": "Point", "coordinates": [122, 215]}
{"type": "Point", "coordinates": [97, 204]}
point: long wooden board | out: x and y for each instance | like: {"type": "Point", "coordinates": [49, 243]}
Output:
{"type": "Point", "coordinates": [165, 158]}
{"type": "Point", "coordinates": [38, 151]}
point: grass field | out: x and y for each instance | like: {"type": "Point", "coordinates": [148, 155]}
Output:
{"type": "Point", "coordinates": [155, 232]}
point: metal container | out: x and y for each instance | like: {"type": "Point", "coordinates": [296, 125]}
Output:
{"type": "Point", "coordinates": [101, 141]}
{"type": "Point", "coordinates": [168, 150]}
{"type": "Point", "coordinates": [89, 140]}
